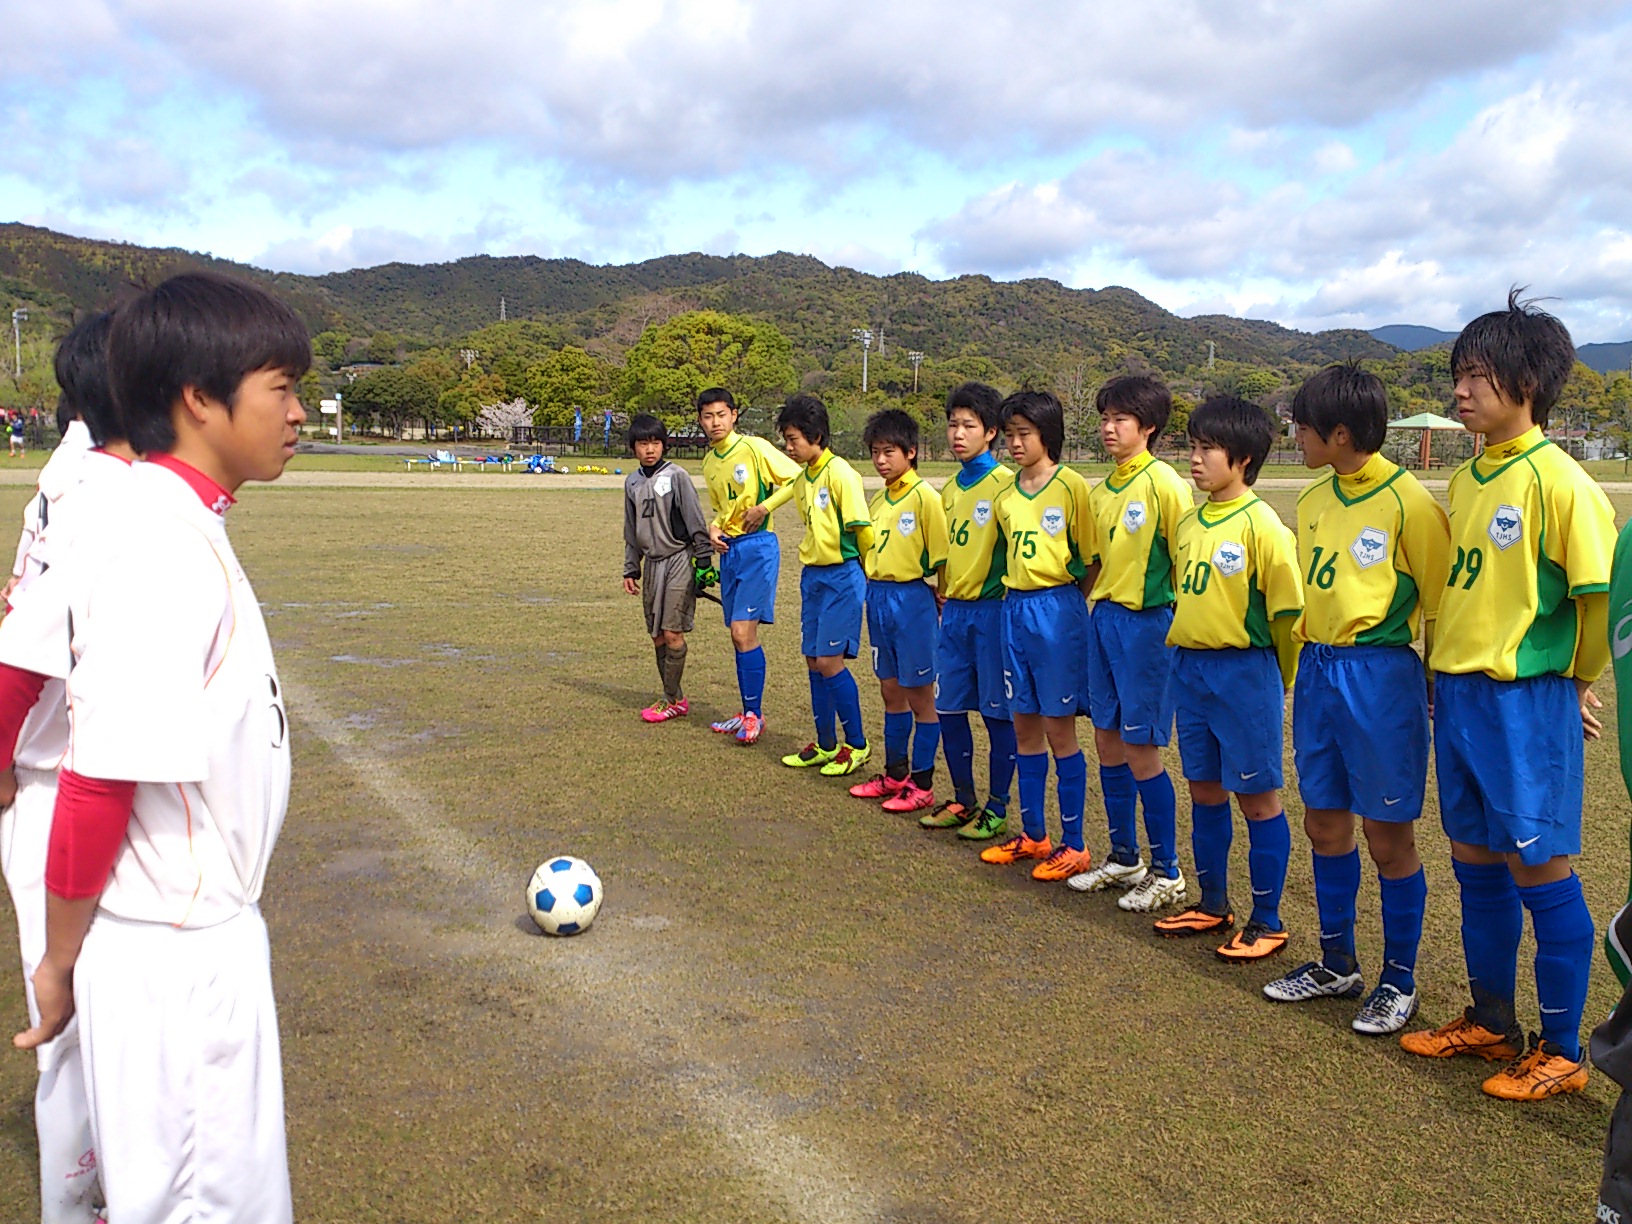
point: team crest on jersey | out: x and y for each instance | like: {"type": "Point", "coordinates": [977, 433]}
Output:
{"type": "Point", "coordinates": [1133, 517]}
{"type": "Point", "coordinates": [907, 523]}
{"type": "Point", "coordinates": [1369, 547]}
{"type": "Point", "coordinates": [1506, 527]}
{"type": "Point", "coordinates": [1229, 558]}
{"type": "Point", "coordinates": [660, 486]}
{"type": "Point", "coordinates": [983, 512]}
{"type": "Point", "coordinates": [740, 473]}
{"type": "Point", "coordinates": [823, 498]}
{"type": "Point", "coordinates": [1053, 520]}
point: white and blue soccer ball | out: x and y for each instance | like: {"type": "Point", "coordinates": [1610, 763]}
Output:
{"type": "Point", "coordinates": [564, 895]}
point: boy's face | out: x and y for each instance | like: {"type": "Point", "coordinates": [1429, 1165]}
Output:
{"type": "Point", "coordinates": [1318, 452]}
{"type": "Point", "coordinates": [967, 435]}
{"type": "Point", "coordinates": [1124, 437]}
{"type": "Point", "coordinates": [891, 462]}
{"type": "Point", "coordinates": [1485, 409]}
{"type": "Point", "coordinates": [257, 438]}
{"type": "Point", "coordinates": [798, 447]}
{"type": "Point", "coordinates": [718, 420]}
{"type": "Point", "coordinates": [649, 451]}
{"type": "Point", "coordinates": [1024, 442]}
{"type": "Point", "coordinates": [1211, 469]}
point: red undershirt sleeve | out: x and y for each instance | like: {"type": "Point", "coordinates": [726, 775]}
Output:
{"type": "Point", "coordinates": [87, 830]}
{"type": "Point", "coordinates": [19, 690]}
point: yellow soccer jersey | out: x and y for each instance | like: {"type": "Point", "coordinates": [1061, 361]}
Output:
{"type": "Point", "coordinates": [1238, 571]}
{"type": "Point", "coordinates": [1532, 536]}
{"type": "Point", "coordinates": [977, 551]}
{"type": "Point", "coordinates": [1137, 510]}
{"type": "Point", "coordinates": [834, 509]}
{"type": "Point", "coordinates": [909, 531]}
{"type": "Point", "coordinates": [1374, 548]}
{"type": "Point", "coordinates": [1049, 531]}
{"type": "Point", "coordinates": [742, 472]}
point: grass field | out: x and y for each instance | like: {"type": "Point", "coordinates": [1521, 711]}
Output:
{"type": "Point", "coordinates": [793, 1007]}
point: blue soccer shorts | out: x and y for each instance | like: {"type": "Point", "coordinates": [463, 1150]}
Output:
{"type": "Point", "coordinates": [830, 600]}
{"type": "Point", "coordinates": [902, 628]}
{"type": "Point", "coordinates": [748, 570]}
{"type": "Point", "coordinates": [1045, 645]}
{"type": "Point", "coordinates": [1230, 709]}
{"type": "Point", "coordinates": [969, 662]}
{"type": "Point", "coordinates": [1510, 763]}
{"type": "Point", "coordinates": [1130, 672]}
{"type": "Point", "coordinates": [1360, 730]}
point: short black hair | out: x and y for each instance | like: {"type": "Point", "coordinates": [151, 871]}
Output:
{"type": "Point", "coordinates": [1525, 352]}
{"type": "Point", "coordinates": [984, 401]}
{"type": "Point", "coordinates": [1142, 397]}
{"type": "Point", "coordinates": [1240, 428]}
{"type": "Point", "coordinates": [82, 373]}
{"type": "Point", "coordinates": [1044, 413]}
{"type": "Point", "coordinates": [892, 427]}
{"type": "Point", "coordinates": [647, 428]}
{"type": "Point", "coordinates": [65, 415]}
{"type": "Point", "coordinates": [1346, 395]}
{"type": "Point", "coordinates": [715, 395]}
{"type": "Point", "coordinates": [200, 330]}
{"type": "Point", "coordinates": [808, 415]}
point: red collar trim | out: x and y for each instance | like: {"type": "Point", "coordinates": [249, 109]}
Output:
{"type": "Point", "coordinates": [97, 450]}
{"type": "Point", "coordinates": [214, 497]}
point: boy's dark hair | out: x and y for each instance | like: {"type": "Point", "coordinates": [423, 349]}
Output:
{"type": "Point", "coordinates": [1344, 394]}
{"type": "Point", "coordinates": [1241, 429]}
{"type": "Point", "coordinates": [985, 402]}
{"type": "Point", "coordinates": [808, 415]}
{"type": "Point", "coordinates": [200, 330]}
{"type": "Point", "coordinates": [715, 395]}
{"type": "Point", "coordinates": [82, 373]}
{"type": "Point", "coordinates": [65, 415]}
{"type": "Point", "coordinates": [1525, 352]}
{"type": "Point", "coordinates": [892, 427]}
{"type": "Point", "coordinates": [1044, 413]}
{"type": "Point", "coordinates": [647, 428]}
{"type": "Point", "coordinates": [1146, 399]}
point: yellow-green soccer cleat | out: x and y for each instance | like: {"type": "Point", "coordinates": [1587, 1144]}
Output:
{"type": "Point", "coordinates": [810, 755]}
{"type": "Point", "coordinates": [847, 760]}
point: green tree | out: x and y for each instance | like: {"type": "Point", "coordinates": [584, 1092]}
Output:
{"type": "Point", "coordinates": [329, 349]}
{"type": "Point", "coordinates": [462, 402]}
{"type": "Point", "coordinates": [567, 379]}
{"type": "Point", "coordinates": [393, 397]}
{"type": "Point", "coordinates": [382, 348]}
{"type": "Point", "coordinates": [674, 360]}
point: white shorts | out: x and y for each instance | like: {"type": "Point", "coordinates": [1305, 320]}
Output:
{"type": "Point", "coordinates": [182, 1068]}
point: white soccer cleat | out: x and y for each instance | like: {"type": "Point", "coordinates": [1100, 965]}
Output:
{"type": "Point", "coordinates": [1152, 893]}
{"type": "Point", "coordinates": [1314, 981]}
{"type": "Point", "coordinates": [1107, 874]}
{"type": "Point", "coordinates": [1387, 1010]}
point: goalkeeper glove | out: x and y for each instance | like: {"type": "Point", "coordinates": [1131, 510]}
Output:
{"type": "Point", "coordinates": [703, 573]}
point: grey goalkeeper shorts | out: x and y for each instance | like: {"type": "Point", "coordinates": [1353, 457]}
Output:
{"type": "Point", "coordinates": [669, 594]}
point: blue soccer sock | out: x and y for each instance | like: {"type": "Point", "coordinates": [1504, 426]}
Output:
{"type": "Point", "coordinates": [1121, 812]}
{"type": "Point", "coordinates": [821, 708]}
{"type": "Point", "coordinates": [1403, 904]}
{"type": "Point", "coordinates": [959, 743]}
{"type": "Point", "coordinates": [1492, 921]}
{"type": "Point", "coordinates": [1000, 731]}
{"type": "Point", "coordinates": [751, 678]}
{"type": "Point", "coordinates": [1071, 785]}
{"type": "Point", "coordinates": [847, 704]}
{"type": "Point", "coordinates": [1161, 823]}
{"type": "Point", "coordinates": [926, 742]}
{"type": "Point", "coordinates": [1269, 851]}
{"type": "Point", "coordinates": [1564, 947]}
{"type": "Point", "coordinates": [1211, 831]}
{"type": "Point", "coordinates": [1337, 892]}
{"type": "Point", "coordinates": [897, 733]}
{"type": "Point", "coordinates": [1033, 770]}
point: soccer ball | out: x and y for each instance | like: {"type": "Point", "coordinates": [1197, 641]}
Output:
{"type": "Point", "coordinates": [564, 895]}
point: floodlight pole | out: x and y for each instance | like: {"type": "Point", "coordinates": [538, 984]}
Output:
{"type": "Point", "coordinates": [917, 360]}
{"type": "Point", "coordinates": [865, 335]}
{"type": "Point", "coordinates": [18, 317]}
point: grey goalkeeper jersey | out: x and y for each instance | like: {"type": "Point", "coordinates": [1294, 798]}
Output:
{"type": "Point", "coordinates": [661, 516]}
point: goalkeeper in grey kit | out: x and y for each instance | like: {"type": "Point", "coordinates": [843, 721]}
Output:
{"type": "Point", "coordinates": [665, 533]}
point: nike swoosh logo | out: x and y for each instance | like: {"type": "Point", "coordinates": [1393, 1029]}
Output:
{"type": "Point", "coordinates": [1125, 727]}
{"type": "Point", "coordinates": [1554, 1011]}
{"type": "Point", "coordinates": [1067, 700]}
{"type": "Point", "coordinates": [1525, 845]}
{"type": "Point", "coordinates": [1390, 802]}
{"type": "Point", "coordinates": [1262, 892]}
{"type": "Point", "coordinates": [923, 671]}
{"type": "Point", "coordinates": [1246, 777]}
{"type": "Point", "coordinates": [835, 643]}
{"type": "Point", "coordinates": [749, 611]}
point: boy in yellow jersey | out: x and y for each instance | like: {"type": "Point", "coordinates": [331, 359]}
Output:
{"type": "Point", "coordinates": [909, 546]}
{"type": "Point", "coordinates": [832, 586]}
{"type": "Point", "coordinates": [747, 479]}
{"type": "Point", "coordinates": [1373, 546]}
{"type": "Point", "coordinates": [1238, 598]}
{"type": "Point", "coordinates": [969, 655]}
{"type": "Point", "coordinates": [1044, 515]}
{"type": "Point", "coordinates": [1136, 510]}
{"type": "Point", "coordinates": [1522, 634]}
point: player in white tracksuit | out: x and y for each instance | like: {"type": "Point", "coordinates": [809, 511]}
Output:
{"type": "Point", "coordinates": [177, 774]}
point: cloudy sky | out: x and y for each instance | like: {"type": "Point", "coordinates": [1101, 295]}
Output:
{"type": "Point", "coordinates": [1324, 163]}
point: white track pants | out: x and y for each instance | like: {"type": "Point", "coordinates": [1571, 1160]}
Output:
{"type": "Point", "coordinates": [183, 1072]}
{"type": "Point", "coordinates": [68, 1183]}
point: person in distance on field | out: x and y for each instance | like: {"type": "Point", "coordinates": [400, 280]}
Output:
{"type": "Point", "coordinates": [1522, 634]}
{"type": "Point", "coordinates": [909, 547]}
{"type": "Point", "coordinates": [1373, 547]}
{"type": "Point", "coordinates": [1136, 514]}
{"type": "Point", "coordinates": [832, 586]}
{"type": "Point", "coordinates": [1238, 598]}
{"type": "Point", "coordinates": [666, 533]}
{"type": "Point", "coordinates": [969, 654]}
{"type": "Point", "coordinates": [1044, 516]}
{"type": "Point", "coordinates": [747, 480]}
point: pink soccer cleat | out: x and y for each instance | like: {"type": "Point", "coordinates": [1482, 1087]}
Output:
{"type": "Point", "coordinates": [665, 710]}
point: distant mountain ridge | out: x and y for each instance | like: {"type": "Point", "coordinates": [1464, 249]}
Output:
{"type": "Point", "coordinates": [1606, 358]}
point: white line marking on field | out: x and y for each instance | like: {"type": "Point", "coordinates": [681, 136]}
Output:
{"type": "Point", "coordinates": [811, 1183]}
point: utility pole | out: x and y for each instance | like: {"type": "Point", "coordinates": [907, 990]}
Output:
{"type": "Point", "coordinates": [1211, 354]}
{"type": "Point", "coordinates": [501, 309]}
{"type": "Point", "coordinates": [917, 360]}
{"type": "Point", "coordinates": [18, 317]}
{"type": "Point", "coordinates": [865, 336]}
